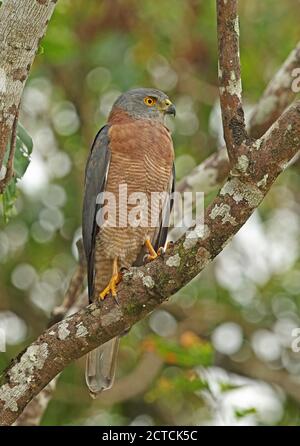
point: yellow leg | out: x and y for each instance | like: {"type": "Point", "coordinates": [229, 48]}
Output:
{"type": "Point", "coordinates": [152, 253]}
{"type": "Point", "coordinates": [112, 284]}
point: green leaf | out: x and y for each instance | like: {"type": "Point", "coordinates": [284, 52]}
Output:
{"type": "Point", "coordinates": [8, 200]}
{"type": "Point", "coordinates": [175, 388]}
{"type": "Point", "coordinates": [40, 50]}
{"type": "Point", "coordinates": [199, 353]}
{"type": "Point", "coordinates": [240, 413]}
{"type": "Point", "coordinates": [24, 147]}
{"type": "Point", "coordinates": [227, 386]}
{"type": "Point", "coordinates": [23, 151]}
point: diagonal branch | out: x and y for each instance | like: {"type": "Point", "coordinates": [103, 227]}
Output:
{"type": "Point", "coordinates": [146, 287]}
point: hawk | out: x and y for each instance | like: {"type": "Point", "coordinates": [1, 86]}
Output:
{"type": "Point", "coordinates": [133, 151]}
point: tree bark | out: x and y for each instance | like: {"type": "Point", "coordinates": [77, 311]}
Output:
{"type": "Point", "coordinates": [229, 74]}
{"type": "Point", "coordinates": [22, 26]}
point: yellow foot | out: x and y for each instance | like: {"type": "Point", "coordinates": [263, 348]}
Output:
{"type": "Point", "coordinates": [111, 287]}
{"type": "Point", "coordinates": [152, 253]}
{"type": "Point", "coordinates": [150, 258]}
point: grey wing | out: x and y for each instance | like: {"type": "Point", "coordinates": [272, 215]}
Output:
{"type": "Point", "coordinates": [95, 180]}
{"type": "Point", "coordinates": [161, 236]}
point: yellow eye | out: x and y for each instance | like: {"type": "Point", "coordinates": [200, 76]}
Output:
{"type": "Point", "coordinates": [149, 101]}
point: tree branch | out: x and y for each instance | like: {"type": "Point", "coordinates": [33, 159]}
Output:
{"type": "Point", "coordinates": [146, 287]}
{"type": "Point", "coordinates": [229, 74]}
{"type": "Point", "coordinates": [10, 162]}
{"type": "Point", "coordinates": [34, 411]}
{"type": "Point", "coordinates": [22, 26]}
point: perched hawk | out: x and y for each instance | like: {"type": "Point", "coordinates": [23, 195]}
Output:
{"type": "Point", "coordinates": [133, 151]}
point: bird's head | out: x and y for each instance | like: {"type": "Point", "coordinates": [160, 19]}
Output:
{"type": "Point", "coordinates": [145, 103]}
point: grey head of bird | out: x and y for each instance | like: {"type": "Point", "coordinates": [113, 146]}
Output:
{"type": "Point", "coordinates": [145, 103]}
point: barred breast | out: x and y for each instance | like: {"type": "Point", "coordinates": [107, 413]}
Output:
{"type": "Point", "coordinates": [141, 161]}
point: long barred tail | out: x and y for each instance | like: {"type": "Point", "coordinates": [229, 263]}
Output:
{"type": "Point", "coordinates": [101, 367]}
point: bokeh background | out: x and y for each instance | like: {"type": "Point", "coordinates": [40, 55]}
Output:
{"type": "Point", "coordinates": [219, 352]}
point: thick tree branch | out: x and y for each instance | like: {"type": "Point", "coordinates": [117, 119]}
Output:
{"type": "Point", "coordinates": [22, 26]}
{"type": "Point", "coordinates": [35, 410]}
{"type": "Point", "coordinates": [229, 74]}
{"type": "Point", "coordinates": [144, 288]}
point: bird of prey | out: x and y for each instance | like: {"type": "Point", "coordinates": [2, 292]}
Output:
{"type": "Point", "coordinates": [135, 150]}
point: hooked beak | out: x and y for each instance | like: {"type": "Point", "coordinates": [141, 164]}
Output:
{"type": "Point", "coordinates": [171, 110]}
{"type": "Point", "coordinates": [168, 108]}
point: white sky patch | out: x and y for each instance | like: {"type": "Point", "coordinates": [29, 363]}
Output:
{"type": "Point", "coordinates": [36, 176]}
{"type": "Point", "coordinates": [12, 328]}
{"type": "Point", "coordinates": [227, 338]}
{"type": "Point", "coordinates": [266, 345]}
{"type": "Point", "coordinates": [2, 340]}
{"type": "Point", "coordinates": [259, 250]}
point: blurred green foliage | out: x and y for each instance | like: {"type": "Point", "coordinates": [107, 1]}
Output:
{"type": "Point", "coordinates": [197, 353]}
{"type": "Point", "coordinates": [92, 51]}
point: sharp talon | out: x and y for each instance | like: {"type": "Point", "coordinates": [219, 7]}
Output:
{"type": "Point", "coordinates": [126, 331]}
{"type": "Point", "coordinates": [150, 258]}
{"type": "Point", "coordinates": [152, 253]}
{"type": "Point", "coordinates": [170, 244]}
{"type": "Point", "coordinates": [160, 251]}
{"type": "Point", "coordinates": [116, 300]}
